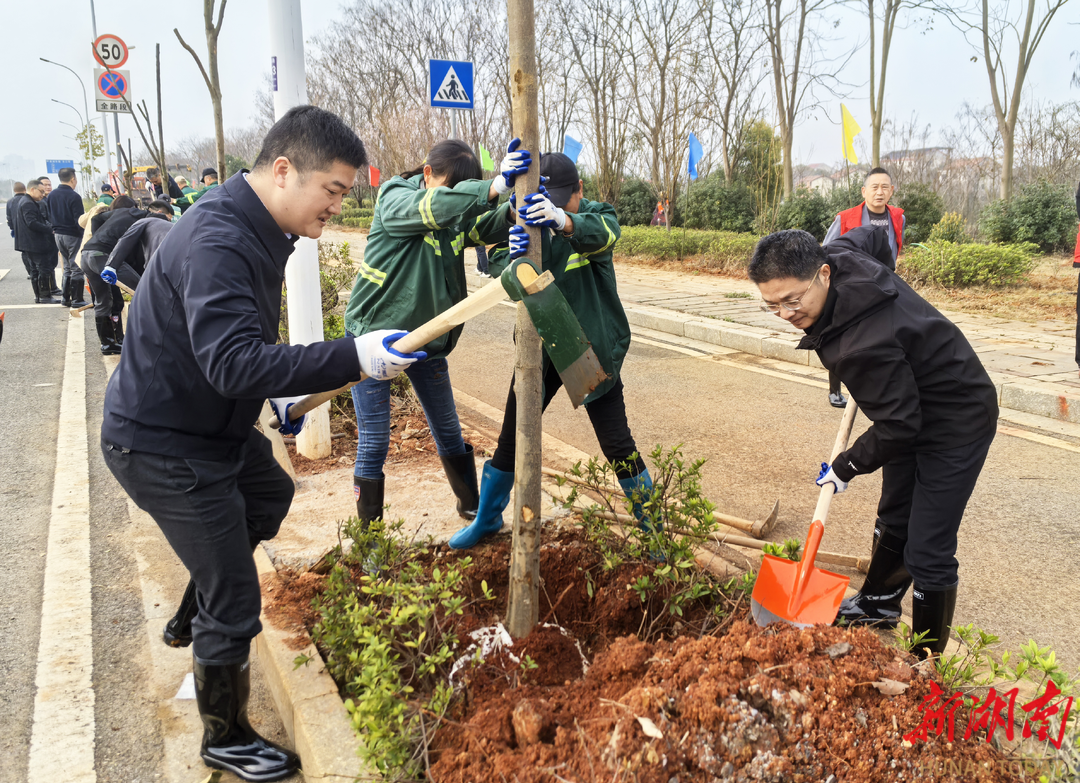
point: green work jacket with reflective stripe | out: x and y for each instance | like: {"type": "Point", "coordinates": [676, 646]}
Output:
{"type": "Point", "coordinates": [413, 267]}
{"type": "Point", "coordinates": [584, 271]}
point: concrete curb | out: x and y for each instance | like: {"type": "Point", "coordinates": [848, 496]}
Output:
{"type": "Point", "coordinates": [1017, 396]}
{"type": "Point", "coordinates": [307, 701]}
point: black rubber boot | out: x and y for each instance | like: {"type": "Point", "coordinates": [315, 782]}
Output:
{"type": "Point", "coordinates": [43, 291]}
{"type": "Point", "coordinates": [118, 330]}
{"type": "Point", "coordinates": [109, 346]}
{"type": "Point", "coordinates": [887, 580]}
{"type": "Point", "coordinates": [369, 498]}
{"type": "Point", "coordinates": [178, 630]}
{"type": "Point", "coordinates": [461, 471]}
{"type": "Point", "coordinates": [932, 613]}
{"type": "Point", "coordinates": [37, 291]}
{"type": "Point", "coordinates": [65, 288]}
{"type": "Point", "coordinates": [53, 290]}
{"type": "Point", "coordinates": [78, 291]}
{"type": "Point", "coordinates": [229, 742]}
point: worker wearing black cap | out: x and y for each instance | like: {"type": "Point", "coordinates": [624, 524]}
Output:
{"type": "Point", "coordinates": [577, 237]}
{"type": "Point", "coordinates": [209, 179]}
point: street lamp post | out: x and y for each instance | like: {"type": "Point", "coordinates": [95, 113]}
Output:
{"type": "Point", "coordinates": [85, 126]}
{"type": "Point", "coordinates": [86, 112]}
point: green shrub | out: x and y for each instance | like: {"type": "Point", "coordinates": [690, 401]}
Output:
{"type": "Point", "coordinates": [951, 228]}
{"type": "Point", "coordinates": [806, 210]}
{"type": "Point", "coordinates": [636, 203]}
{"type": "Point", "coordinates": [1042, 213]}
{"type": "Point", "coordinates": [723, 251]}
{"type": "Point", "coordinates": [960, 265]}
{"type": "Point", "coordinates": [349, 203]}
{"type": "Point", "coordinates": [357, 222]}
{"type": "Point", "coordinates": [845, 197]}
{"type": "Point", "coordinates": [714, 204]}
{"type": "Point", "coordinates": [923, 209]}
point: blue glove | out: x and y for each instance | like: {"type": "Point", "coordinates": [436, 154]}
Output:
{"type": "Point", "coordinates": [826, 476]}
{"type": "Point", "coordinates": [539, 211]}
{"type": "Point", "coordinates": [280, 406]}
{"type": "Point", "coordinates": [519, 242]}
{"type": "Point", "coordinates": [108, 274]}
{"type": "Point", "coordinates": [516, 161]}
{"type": "Point", "coordinates": [379, 360]}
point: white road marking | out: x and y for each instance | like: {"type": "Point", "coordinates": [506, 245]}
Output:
{"type": "Point", "coordinates": [62, 738]}
{"type": "Point", "coordinates": [3, 272]}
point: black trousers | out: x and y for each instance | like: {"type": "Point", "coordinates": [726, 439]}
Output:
{"type": "Point", "coordinates": [108, 299]}
{"type": "Point", "coordinates": [923, 497]}
{"type": "Point", "coordinates": [607, 414]}
{"type": "Point", "coordinates": [212, 513]}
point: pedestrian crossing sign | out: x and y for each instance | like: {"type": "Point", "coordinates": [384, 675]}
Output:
{"type": "Point", "coordinates": [450, 84]}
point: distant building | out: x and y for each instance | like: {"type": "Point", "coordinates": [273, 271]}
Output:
{"type": "Point", "coordinates": [822, 183]}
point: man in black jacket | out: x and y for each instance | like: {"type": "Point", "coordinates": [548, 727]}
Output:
{"type": "Point", "coordinates": [65, 207]}
{"type": "Point", "coordinates": [108, 299]}
{"type": "Point", "coordinates": [200, 359]}
{"type": "Point", "coordinates": [35, 238]}
{"type": "Point", "coordinates": [933, 407]}
{"type": "Point", "coordinates": [18, 193]}
{"type": "Point", "coordinates": [158, 187]}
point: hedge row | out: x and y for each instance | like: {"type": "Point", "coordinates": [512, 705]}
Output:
{"type": "Point", "coordinates": [938, 262]}
{"type": "Point", "coordinates": [353, 220]}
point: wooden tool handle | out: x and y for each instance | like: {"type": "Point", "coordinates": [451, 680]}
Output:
{"type": "Point", "coordinates": [472, 305]}
{"type": "Point", "coordinates": [826, 495]}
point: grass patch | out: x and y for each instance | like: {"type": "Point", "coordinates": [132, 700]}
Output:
{"type": "Point", "coordinates": [716, 251]}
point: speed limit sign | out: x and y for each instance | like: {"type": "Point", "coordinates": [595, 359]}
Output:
{"type": "Point", "coordinates": [110, 51]}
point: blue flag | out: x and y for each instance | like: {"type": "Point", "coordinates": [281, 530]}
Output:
{"type": "Point", "coordinates": [571, 148]}
{"type": "Point", "coordinates": [696, 154]}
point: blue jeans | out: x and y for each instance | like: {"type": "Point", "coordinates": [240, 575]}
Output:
{"type": "Point", "coordinates": [371, 400]}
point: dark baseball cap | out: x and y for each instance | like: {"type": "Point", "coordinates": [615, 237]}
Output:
{"type": "Point", "coordinates": [106, 187]}
{"type": "Point", "coordinates": [208, 172]}
{"type": "Point", "coordinates": [562, 177]}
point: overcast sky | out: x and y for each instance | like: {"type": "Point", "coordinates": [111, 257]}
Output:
{"type": "Point", "coordinates": [930, 73]}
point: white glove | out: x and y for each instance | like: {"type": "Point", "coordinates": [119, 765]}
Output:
{"type": "Point", "coordinates": [826, 476]}
{"type": "Point", "coordinates": [280, 407]}
{"type": "Point", "coordinates": [516, 161]}
{"type": "Point", "coordinates": [378, 360]}
{"type": "Point", "coordinates": [539, 211]}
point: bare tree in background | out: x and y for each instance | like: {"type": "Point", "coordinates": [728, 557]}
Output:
{"type": "Point", "coordinates": [213, 82]}
{"type": "Point", "coordinates": [733, 42]}
{"type": "Point", "coordinates": [994, 30]}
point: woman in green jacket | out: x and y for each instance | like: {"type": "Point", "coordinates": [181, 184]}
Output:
{"type": "Point", "coordinates": [413, 269]}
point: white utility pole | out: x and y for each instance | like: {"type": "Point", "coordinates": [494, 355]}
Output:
{"type": "Point", "coordinates": [302, 271]}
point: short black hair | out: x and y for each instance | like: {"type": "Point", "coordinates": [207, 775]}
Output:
{"type": "Point", "coordinates": [66, 174]}
{"type": "Point", "coordinates": [18, 187]}
{"type": "Point", "coordinates": [153, 172]}
{"type": "Point", "coordinates": [122, 202]}
{"type": "Point", "coordinates": [44, 177]}
{"type": "Point", "coordinates": [34, 183]}
{"type": "Point", "coordinates": [791, 253]}
{"type": "Point", "coordinates": [161, 206]}
{"type": "Point", "coordinates": [876, 170]}
{"type": "Point", "coordinates": [453, 159]}
{"type": "Point", "coordinates": [313, 139]}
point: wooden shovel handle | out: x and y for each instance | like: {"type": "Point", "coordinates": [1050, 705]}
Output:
{"type": "Point", "coordinates": [826, 495]}
{"type": "Point", "coordinates": [472, 305]}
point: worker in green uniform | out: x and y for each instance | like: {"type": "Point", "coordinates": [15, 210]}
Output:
{"type": "Point", "coordinates": [577, 240]}
{"type": "Point", "coordinates": [209, 181]}
{"type": "Point", "coordinates": [412, 270]}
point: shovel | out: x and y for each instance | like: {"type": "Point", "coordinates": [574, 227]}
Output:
{"type": "Point", "coordinates": [799, 593]}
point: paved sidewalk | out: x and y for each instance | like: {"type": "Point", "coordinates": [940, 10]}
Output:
{"type": "Point", "coordinates": [1032, 364]}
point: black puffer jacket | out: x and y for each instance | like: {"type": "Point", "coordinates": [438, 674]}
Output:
{"type": "Point", "coordinates": [108, 232]}
{"type": "Point", "coordinates": [910, 369]}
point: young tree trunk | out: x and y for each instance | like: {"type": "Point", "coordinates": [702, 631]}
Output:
{"type": "Point", "coordinates": [211, 78]}
{"type": "Point", "coordinates": [523, 610]}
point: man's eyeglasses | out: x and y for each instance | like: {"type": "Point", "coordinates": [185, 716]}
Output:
{"type": "Point", "coordinates": [791, 304]}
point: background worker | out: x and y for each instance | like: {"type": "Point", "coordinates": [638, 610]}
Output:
{"type": "Point", "coordinates": [108, 227]}
{"type": "Point", "coordinates": [577, 240]}
{"type": "Point", "coordinates": [185, 187]}
{"type": "Point", "coordinates": [65, 207]}
{"type": "Point", "coordinates": [137, 246]}
{"type": "Point", "coordinates": [209, 182]}
{"type": "Point", "coordinates": [874, 210]}
{"type": "Point", "coordinates": [107, 195]}
{"type": "Point", "coordinates": [34, 237]}
{"type": "Point", "coordinates": [201, 357]}
{"type": "Point", "coordinates": [414, 269]}
{"type": "Point", "coordinates": [164, 190]}
{"type": "Point", "coordinates": [933, 407]}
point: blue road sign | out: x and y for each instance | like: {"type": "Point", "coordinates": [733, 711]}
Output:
{"type": "Point", "coordinates": [54, 166]}
{"type": "Point", "coordinates": [450, 84]}
{"type": "Point", "coordinates": [112, 84]}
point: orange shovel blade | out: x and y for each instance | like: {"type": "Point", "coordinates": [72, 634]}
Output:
{"type": "Point", "coordinates": [797, 593]}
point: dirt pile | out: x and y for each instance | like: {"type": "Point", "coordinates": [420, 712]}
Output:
{"type": "Point", "coordinates": [753, 705]}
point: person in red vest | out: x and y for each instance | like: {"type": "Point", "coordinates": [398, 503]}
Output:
{"type": "Point", "coordinates": [877, 189]}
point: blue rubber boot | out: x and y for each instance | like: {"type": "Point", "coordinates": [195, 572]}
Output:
{"type": "Point", "coordinates": [641, 483]}
{"type": "Point", "coordinates": [495, 486]}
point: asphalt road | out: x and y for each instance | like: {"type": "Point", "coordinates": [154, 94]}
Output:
{"type": "Point", "coordinates": [764, 437]}
{"type": "Point", "coordinates": [141, 732]}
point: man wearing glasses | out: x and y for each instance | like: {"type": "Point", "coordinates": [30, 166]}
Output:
{"type": "Point", "coordinates": [933, 407]}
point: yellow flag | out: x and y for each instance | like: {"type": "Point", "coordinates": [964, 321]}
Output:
{"type": "Point", "coordinates": [851, 130]}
